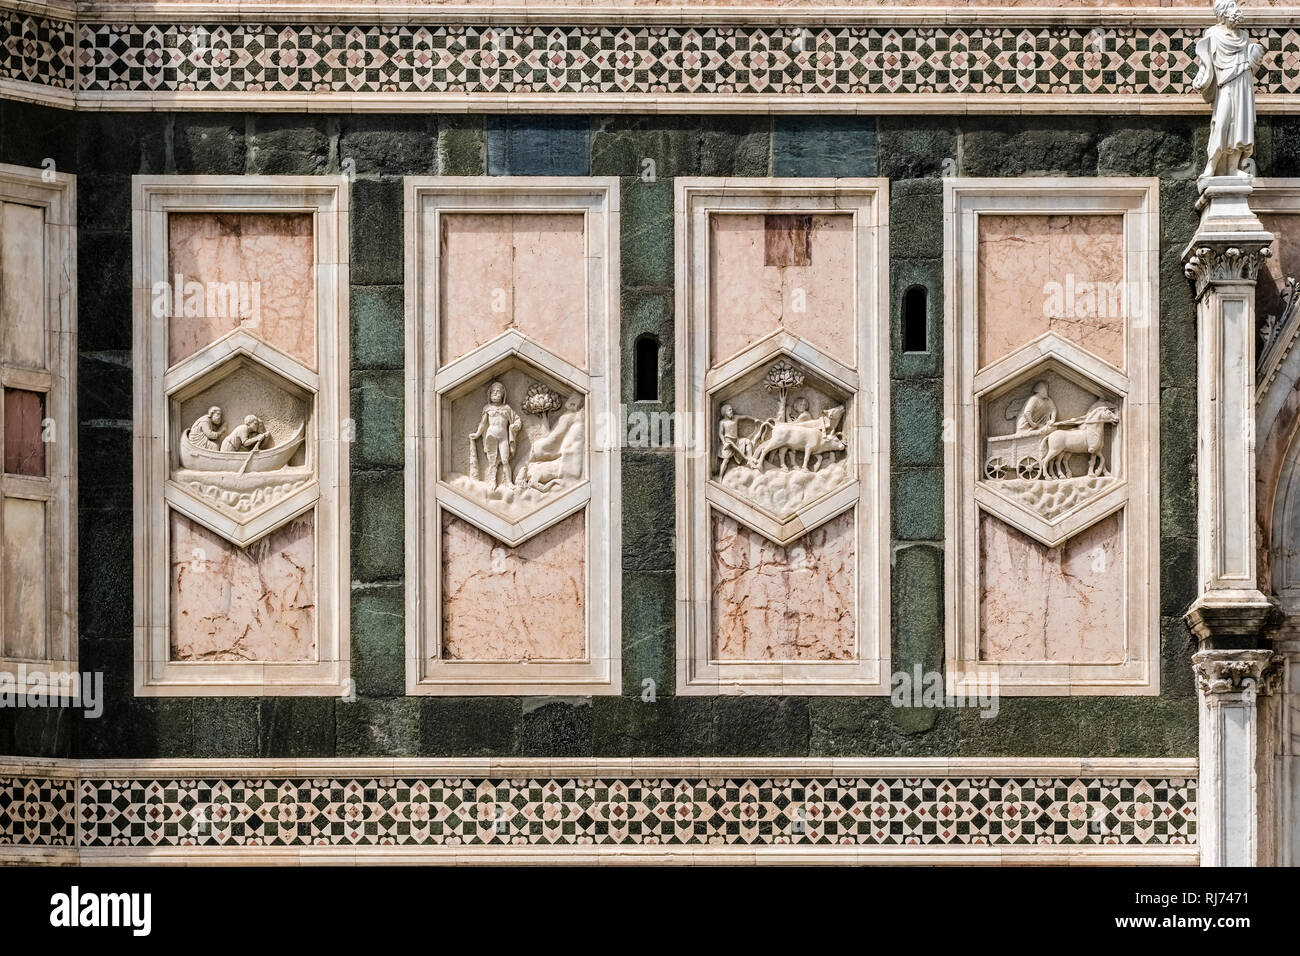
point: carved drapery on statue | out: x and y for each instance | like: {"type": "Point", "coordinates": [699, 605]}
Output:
{"type": "Point", "coordinates": [1227, 62]}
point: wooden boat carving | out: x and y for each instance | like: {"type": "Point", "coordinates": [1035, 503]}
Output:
{"type": "Point", "coordinates": [263, 460]}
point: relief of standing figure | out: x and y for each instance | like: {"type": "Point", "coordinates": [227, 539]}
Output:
{"type": "Point", "coordinates": [498, 428]}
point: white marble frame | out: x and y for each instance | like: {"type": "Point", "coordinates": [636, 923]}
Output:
{"type": "Point", "coordinates": [427, 198]}
{"type": "Point", "coordinates": [868, 671]}
{"type": "Point", "coordinates": [326, 199]}
{"type": "Point", "coordinates": [1137, 200]}
{"type": "Point", "coordinates": [56, 194]}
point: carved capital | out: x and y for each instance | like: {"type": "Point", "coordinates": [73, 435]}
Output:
{"type": "Point", "coordinates": [1209, 264]}
{"type": "Point", "coordinates": [1255, 673]}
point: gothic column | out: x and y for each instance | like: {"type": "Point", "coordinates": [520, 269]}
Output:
{"type": "Point", "coordinates": [1222, 261]}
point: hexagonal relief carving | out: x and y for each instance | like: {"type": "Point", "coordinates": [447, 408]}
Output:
{"type": "Point", "coordinates": [781, 445]}
{"type": "Point", "coordinates": [240, 444]}
{"type": "Point", "coordinates": [513, 448]}
{"type": "Point", "coordinates": [1050, 426]}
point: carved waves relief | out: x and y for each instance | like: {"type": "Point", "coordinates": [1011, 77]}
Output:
{"type": "Point", "coordinates": [787, 458]}
{"type": "Point", "coordinates": [1051, 464]}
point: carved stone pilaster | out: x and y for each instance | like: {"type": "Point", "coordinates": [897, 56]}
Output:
{"type": "Point", "coordinates": [1236, 746]}
{"type": "Point", "coordinates": [1220, 262]}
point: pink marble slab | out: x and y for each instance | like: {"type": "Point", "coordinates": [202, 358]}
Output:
{"type": "Point", "coordinates": [270, 260]}
{"type": "Point", "coordinates": [791, 604]}
{"type": "Point", "coordinates": [749, 299]}
{"type": "Point", "coordinates": [514, 604]}
{"type": "Point", "coordinates": [1063, 274]}
{"type": "Point", "coordinates": [243, 604]}
{"type": "Point", "coordinates": [1061, 604]}
{"type": "Point", "coordinates": [502, 271]}
{"type": "Point", "coordinates": [24, 448]}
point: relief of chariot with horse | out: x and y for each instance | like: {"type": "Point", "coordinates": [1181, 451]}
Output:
{"type": "Point", "coordinates": [1040, 449]}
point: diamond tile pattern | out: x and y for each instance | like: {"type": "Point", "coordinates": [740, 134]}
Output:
{"type": "Point", "coordinates": [37, 812]}
{"type": "Point", "coordinates": [37, 50]}
{"type": "Point", "coordinates": [568, 811]}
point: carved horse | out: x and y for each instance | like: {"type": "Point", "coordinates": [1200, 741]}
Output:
{"type": "Point", "coordinates": [1058, 445]}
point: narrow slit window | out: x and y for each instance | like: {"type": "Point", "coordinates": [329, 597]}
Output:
{"type": "Point", "coordinates": [645, 374]}
{"type": "Point", "coordinates": [915, 333]}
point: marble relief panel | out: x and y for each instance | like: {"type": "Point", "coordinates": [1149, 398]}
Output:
{"type": "Point", "coordinates": [781, 519]}
{"type": "Point", "coordinates": [512, 567]}
{"type": "Point", "coordinates": [1052, 382]}
{"type": "Point", "coordinates": [246, 471]}
{"type": "Point", "coordinates": [38, 432]}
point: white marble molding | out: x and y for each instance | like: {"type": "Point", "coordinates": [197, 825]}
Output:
{"type": "Point", "coordinates": [435, 388]}
{"type": "Point", "coordinates": [857, 377]}
{"type": "Point", "coordinates": [1132, 488]}
{"type": "Point", "coordinates": [160, 388]}
{"type": "Point", "coordinates": [38, 353]}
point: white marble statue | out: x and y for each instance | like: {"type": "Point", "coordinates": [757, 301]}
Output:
{"type": "Point", "coordinates": [1228, 61]}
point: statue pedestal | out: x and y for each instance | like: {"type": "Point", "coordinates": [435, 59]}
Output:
{"type": "Point", "coordinates": [1222, 262]}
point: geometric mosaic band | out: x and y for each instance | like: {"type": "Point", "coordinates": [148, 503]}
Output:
{"type": "Point", "coordinates": [299, 812]}
{"type": "Point", "coordinates": [654, 59]}
{"type": "Point", "coordinates": [618, 59]}
{"type": "Point", "coordinates": [92, 807]}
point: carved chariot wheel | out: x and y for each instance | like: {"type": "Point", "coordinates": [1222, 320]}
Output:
{"type": "Point", "coordinates": [995, 468]}
{"type": "Point", "coordinates": [1029, 469]}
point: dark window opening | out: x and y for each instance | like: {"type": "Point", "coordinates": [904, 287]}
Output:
{"type": "Point", "coordinates": [915, 333]}
{"type": "Point", "coordinates": [645, 370]}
